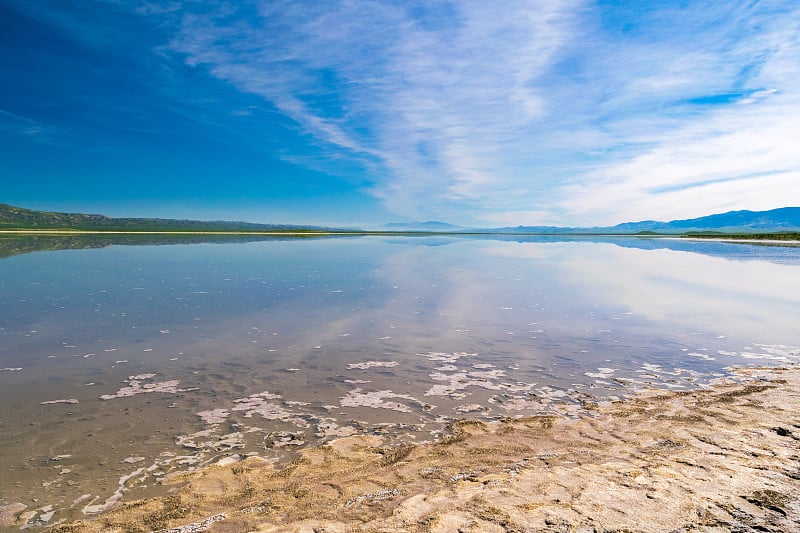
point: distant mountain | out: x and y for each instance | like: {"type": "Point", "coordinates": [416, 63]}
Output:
{"type": "Point", "coordinates": [539, 230]}
{"type": "Point", "coordinates": [785, 219]}
{"type": "Point", "coordinates": [782, 219]}
{"type": "Point", "coordinates": [19, 218]}
{"type": "Point", "coordinates": [431, 225]}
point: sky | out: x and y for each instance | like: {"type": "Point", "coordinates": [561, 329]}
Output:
{"type": "Point", "coordinates": [362, 112]}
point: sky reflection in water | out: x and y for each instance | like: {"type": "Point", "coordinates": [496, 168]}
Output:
{"type": "Point", "coordinates": [134, 356]}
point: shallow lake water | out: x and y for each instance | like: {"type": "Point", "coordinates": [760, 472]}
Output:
{"type": "Point", "coordinates": [123, 364]}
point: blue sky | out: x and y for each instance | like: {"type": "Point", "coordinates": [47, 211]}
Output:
{"type": "Point", "coordinates": [555, 112]}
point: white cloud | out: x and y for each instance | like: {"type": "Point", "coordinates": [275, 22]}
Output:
{"type": "Point", "coordinates": [732, 158]}
{"type": "Point", "coordinates": [441, 104]}
{"type": "Point", "coordinates": [740, 155]}
{"type": "Point", "coordinates": [552, 111]}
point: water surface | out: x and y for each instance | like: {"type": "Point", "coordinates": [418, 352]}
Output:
{"type": "Point", "coordinates": [121, 364]}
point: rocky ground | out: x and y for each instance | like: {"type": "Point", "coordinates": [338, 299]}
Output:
{"type": "Point", "coordinates": [724, 459]}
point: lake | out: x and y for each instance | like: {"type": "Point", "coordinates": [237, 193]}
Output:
{"type": "Point", "coordinates": [124, 361]}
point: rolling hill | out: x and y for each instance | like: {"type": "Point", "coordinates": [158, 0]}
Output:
{"type": "Point", "coordinates": [12, 217]}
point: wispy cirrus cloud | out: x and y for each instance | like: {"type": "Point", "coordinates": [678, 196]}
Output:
{"type": "Point", "coordinates": [558, 111]}
{"type": "Point", "coordinates": [434, 95]}
{"type": "Point", "coordinates": [724, 137]}
{"type": "Point", "coordinates": [729, 159]}
{"type": "Point", "coordinates": [23, 126]}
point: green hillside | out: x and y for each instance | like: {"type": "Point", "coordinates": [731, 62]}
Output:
{"type": "Point", "coordinates": [19, 218]}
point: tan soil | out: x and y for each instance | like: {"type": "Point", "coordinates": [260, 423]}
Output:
{"type": "Point", "coordinates": [726, 459]}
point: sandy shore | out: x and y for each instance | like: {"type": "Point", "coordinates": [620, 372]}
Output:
{"type": "Point", "coordinates": [723, 459]}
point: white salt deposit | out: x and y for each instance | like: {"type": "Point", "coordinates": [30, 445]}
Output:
{"type": "Point", "coordinates": [703, 356]}
{"type": "Point", "coordinates": [215, 416]}
{"type": "Point", "coordinates": [112, 500]}
{"type": "Point", "coordinates": [602, 373]}
{"type": "Point", "coordinates": [372, 364]}
{"type": "Point", "coordinates": [517, 403]}
{"type": "Point", "coordinates": [471, 408]}
{"type": "Point", "coordinates": [446, 357]}
{"type": "Point", "coordinates": [328, 427]}
{"type": "Point", "coordinates": [377, 400]}
{"type": "Point", "coordinates": [136, 386]}
{"type": "Point", "coordinates": [260, 404]}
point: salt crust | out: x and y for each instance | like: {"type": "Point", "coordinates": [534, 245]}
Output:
{"type": "Point", "coordinates": [602, 373]}
{"type": "Point", "coordinates": [455, 383]}
{"type": "Point", "coordinates": [269, 406]}
{"type": "Point", "coordinates": [446, 357]}
{"type": "Point", "coordinates": [260, 404]}
{"type": "Point", "coordinates": [203, 525]}
{"type": "Point", "coordinates": [376, 399]}
{"type": "Point", "coordinates": [136, 386]}
{"type": "Point", "coordinates": [112, 500]}
{"type": "Point", "coordinates": [215, 416]}
{"type": "Point", "coordinates": [9, 513]}
{"type": "Point", "coordinates": [372, 364]}
{"type": "Point", "coordinates": [328, 427]}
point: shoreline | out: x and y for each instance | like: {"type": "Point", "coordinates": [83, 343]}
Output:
{"type": "Point", "coordinates": [715, 459]}
{"type": "Point", "coordinates": [776, 242]}
{"type": "Point", "coordinates": [322, 233]}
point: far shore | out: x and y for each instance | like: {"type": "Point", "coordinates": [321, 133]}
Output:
{"type": "Point", "coordinates": [744, 240]}
{"type": "Point", "coordinates": [735, 238]}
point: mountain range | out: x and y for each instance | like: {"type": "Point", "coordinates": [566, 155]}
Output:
{"type": "Point", "coordinates": [430, 225]}
{"type": "Point", "coordinates": [784, 219]}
